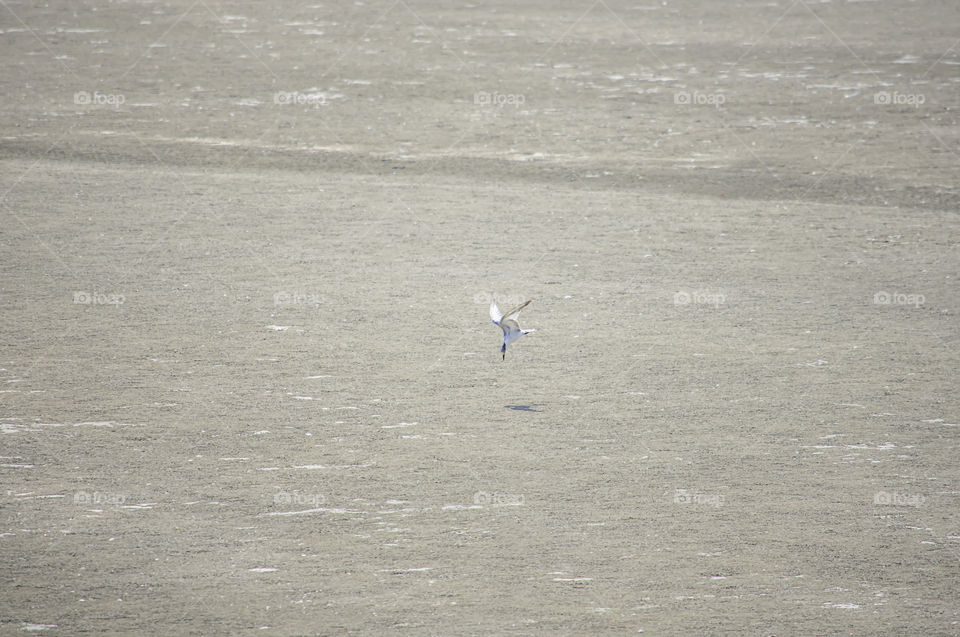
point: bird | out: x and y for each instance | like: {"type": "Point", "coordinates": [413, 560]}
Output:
{"type": "Point", "coordinates": [511, 330]}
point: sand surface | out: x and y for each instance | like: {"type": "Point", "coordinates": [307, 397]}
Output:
{"type": "Point", "coordinates": [248, 383]}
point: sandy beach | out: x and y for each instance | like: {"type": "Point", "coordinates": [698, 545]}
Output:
{"type": "Point", "coordinates": [249, 384]}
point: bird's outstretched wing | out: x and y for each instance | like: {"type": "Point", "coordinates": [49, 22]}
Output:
{"type": "Point", "coordinates": [516, 310]}
{"type": "Point", "coordinates": [495, 314]}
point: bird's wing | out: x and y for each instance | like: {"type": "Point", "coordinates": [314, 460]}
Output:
{"type": "Point", "coordinates": [517, 309]}
{"type": "Point", "coordinates": [495, 314]}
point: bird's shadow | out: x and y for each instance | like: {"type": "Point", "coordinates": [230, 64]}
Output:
{"type": "Point", "coordinates": [523, 408]}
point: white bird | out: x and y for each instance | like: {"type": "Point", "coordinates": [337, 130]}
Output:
{"type": "Point", "coordinates": [511, 330]}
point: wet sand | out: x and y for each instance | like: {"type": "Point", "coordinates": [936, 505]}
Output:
{"type": "Point", "coordinates": [249, 383]}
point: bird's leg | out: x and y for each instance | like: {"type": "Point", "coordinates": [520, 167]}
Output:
{"type": "Point", "coordinates": [503, 351]}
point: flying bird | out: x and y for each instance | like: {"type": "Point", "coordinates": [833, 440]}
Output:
{"type": "Point", "coordinates": [511, 330]}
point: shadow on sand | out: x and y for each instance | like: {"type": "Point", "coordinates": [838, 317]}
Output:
{"type": "Point", "coordinates": [523, 407]}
